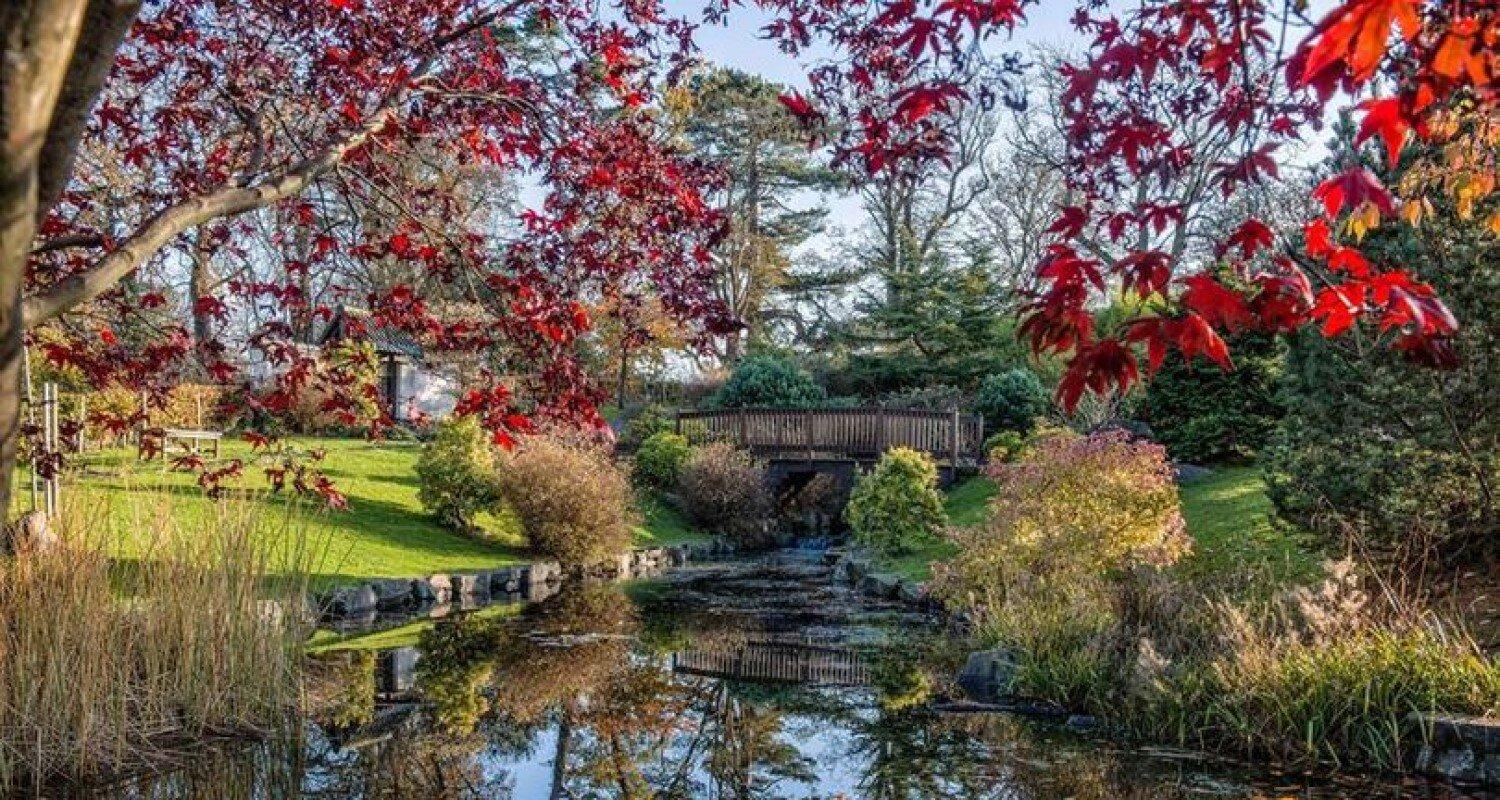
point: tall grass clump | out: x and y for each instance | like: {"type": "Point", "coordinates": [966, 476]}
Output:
{"type": "Point", "coordinates": [1077, 573]}
{"type": "Point", "coordinates": [111, 665]}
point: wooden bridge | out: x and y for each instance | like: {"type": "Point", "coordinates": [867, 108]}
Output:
{"type": "Point", "coordinates": [779, 662]}
{"type": "Point", "coordinates": [851, 434]}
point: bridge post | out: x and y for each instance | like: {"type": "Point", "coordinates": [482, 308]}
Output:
{"type": "Point", "coordinates": [807, 421]}
{"type": "Point", "coordinates": [954, 462]}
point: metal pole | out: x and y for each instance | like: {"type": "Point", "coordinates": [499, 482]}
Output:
{"type": "Point", "coordinates": [49, 444]}
{"type": "Point", "coordinates": [30, 414]}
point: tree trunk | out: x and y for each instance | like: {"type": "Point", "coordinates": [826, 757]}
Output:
{"type": "Point", "coordinates": [37, 44]}
{"type": "Point", "coordinates": [201, 282]}
{"type": "Point", "coordinates": [623, 378]}
{"type": "Point", "coordinates": [560, 756]}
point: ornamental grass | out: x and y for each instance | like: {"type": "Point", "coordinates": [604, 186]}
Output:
{"type": "Point", "coordinates": [110, 666]}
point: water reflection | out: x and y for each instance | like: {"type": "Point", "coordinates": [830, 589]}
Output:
{"type": "Point", "coordinates": [577, 698]}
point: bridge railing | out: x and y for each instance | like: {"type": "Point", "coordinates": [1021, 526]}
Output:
{"type": "Point", "coordinates": [860, 433]}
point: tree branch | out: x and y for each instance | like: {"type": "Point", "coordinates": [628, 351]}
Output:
{"type": "Point", "coordinates": [167, 225]}
{"type": "Point", "coordinates": [105, 23]}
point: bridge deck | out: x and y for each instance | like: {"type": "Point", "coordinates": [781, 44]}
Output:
{"type": "Point", "coordinates": [850, 433]}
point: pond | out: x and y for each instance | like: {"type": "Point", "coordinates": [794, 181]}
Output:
{"type": "Point", "coordinates": [749, 679]}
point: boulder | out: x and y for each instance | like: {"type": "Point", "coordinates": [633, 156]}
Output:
{"type": "Point", "coordinates": [391, 592]}
{"type": "Point", "coordinates": [1082, 723]}
{"type": "Point", "coordinates": [988, 675]}
{"type": "Point", "coordinates": [544, 572]}
{"type": "Point", "coordinates": [31, 533]}
{"type": "Point", "coordinates": [911, 592]}
{"type": "Point", "coordinates": [469, 586]}
{"type": "Point", "coordinates": [880, 584]}
{"type": "Point", "coordinates": [1183, 472]}
{"type": "Point", "coordinates": [351, 600]}
{"type": "Point", "coordinates": [432, 589]}
{"type": "Point", "coordinates": [501, 580]}
{"type": "Point", "coordinates": [1462, 748]}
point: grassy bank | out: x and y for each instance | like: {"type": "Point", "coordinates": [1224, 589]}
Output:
{"type": "Point", "coordinates": [1235, 539]}
{"type": "Point", "coordinates": [384, 532]}
{"type": "Point", "coordinates": [965, 504]}
{"type": "Point", "coordinates": [1250, 644]}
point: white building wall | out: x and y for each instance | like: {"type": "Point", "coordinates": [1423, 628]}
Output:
{"type": "Point", "coordinates": [425, 392]}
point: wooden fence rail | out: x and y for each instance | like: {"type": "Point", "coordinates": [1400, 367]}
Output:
{"type": "Point", "coordinates": [857, 433]}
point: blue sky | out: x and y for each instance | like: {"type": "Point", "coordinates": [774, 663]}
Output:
{"type": "Point", "coordinates": [738, 44]}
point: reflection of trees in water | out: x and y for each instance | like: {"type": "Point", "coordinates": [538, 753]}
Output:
{"type": "Point", "coordinates": [458, 658]}
{"type": "Point", "coordinates": [920, 754]}
{"type": "Point", "coordinates": [915, 753]}
{"type": "Point", "coordinates": [625, 727]}
{"type": "Point", "coordinates": [745, 757]}
{"type": "Point", "coordinates": [338, 689]}
{"type": "Point", "coordinates": [268, 770]}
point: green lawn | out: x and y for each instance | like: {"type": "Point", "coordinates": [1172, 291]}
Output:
{"type": "Point", "coordinates": [1228, 515]}
{"type": "Point", "coordinates": [383, 533]}
{"type": "Point", "coordinates": [967, 503]}
{"type": "Point", "coordinates": [325, 641]}
{"type": "Point", "coordinates": [1235, 537]}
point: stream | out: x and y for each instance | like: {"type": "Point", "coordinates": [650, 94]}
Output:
{"type": "Point", "coordinates": [751, 678]}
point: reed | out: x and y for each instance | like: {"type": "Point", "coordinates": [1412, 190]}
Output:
{"type": "Point", "coordinates": [109, 666]}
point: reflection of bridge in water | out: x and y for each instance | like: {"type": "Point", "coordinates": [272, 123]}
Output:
{"type": "Point", "coordinates": [775, 661]}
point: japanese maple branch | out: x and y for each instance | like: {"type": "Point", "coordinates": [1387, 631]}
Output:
{"type": "Point", "coordinates": [230, 200]}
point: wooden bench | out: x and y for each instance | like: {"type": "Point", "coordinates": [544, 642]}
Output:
{"type": "Point", "coordinates": [192, 440]}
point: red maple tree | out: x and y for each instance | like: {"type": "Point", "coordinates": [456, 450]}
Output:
{"type": "Point", "coordinates": [1259, 72]}
{"type": "Point", "coordinates": [136, 136]}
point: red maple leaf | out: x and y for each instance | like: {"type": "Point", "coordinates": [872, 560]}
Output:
{"type": "Point", "coordinates": [918, 102]}
{"type": "Point", "coordinates": [1145, 271]}
{"type": "Point", "coordinates": [1351, 189]}
{"type": "Point", "coordinates": [1356, 33]}
{"type": "Point", "coordinates": [1069, 224]}
{"type": "Point", "coordinates": [799, 107]}
{"type": "Point", "coordinates": [1101, 367]}
{"type": "Point", "coordinates": [1251, 237]}
{"type": "Point", "coordinates": [1386, 119]}
{"type": "Point", "coordinates": [1215, 302]}
{"type": "Point", "coordinates": [1317, 239]}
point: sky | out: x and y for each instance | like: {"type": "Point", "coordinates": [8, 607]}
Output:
{"type": "Point", "coordinates": [739, 44]}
